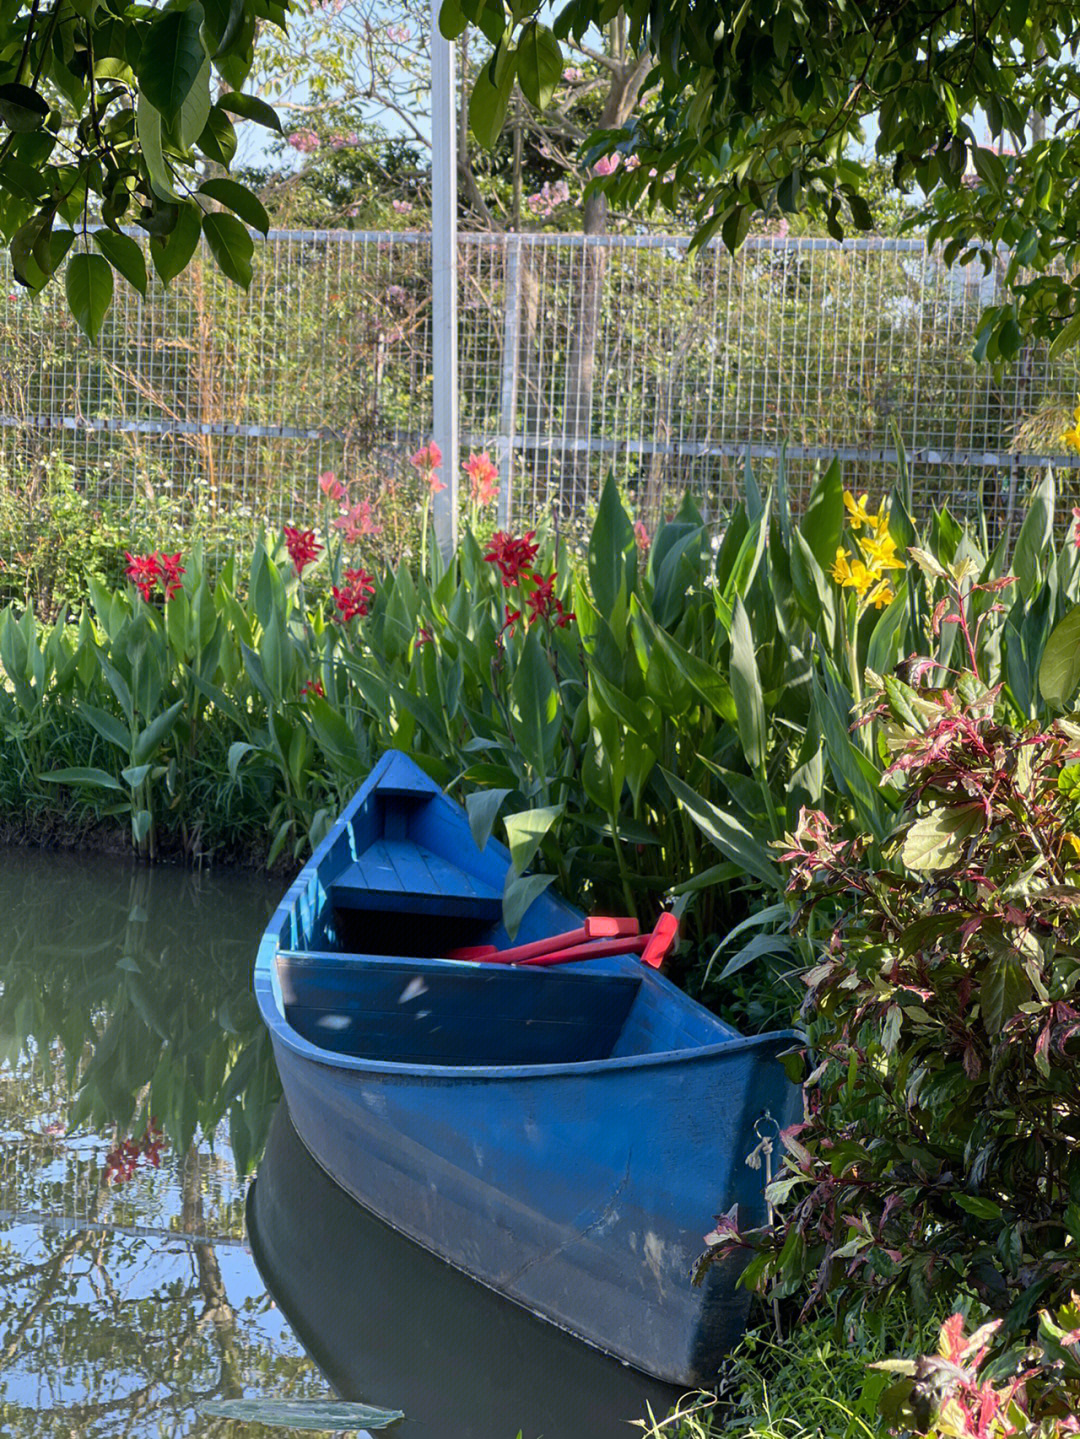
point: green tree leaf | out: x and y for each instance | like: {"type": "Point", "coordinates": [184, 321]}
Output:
{"type": "Point", "coordinates": [540, 64]}
{"type": "Point", "coordinates": [123, 254]}
{"type": "Point", "coordinates": [746, 688]}
{"type": "Point", "coordinates": [170, 254]}
{"type": "Point", "coordinates": [231, 246]}
{"type": "Point", "coordinates": [171, 59]}
{"type": "Point", "coordinates": [238, 198]}
{"type": "Point", "coordinates": [88, 282]}
{"type": "Point", "coordinates": [250, 107]}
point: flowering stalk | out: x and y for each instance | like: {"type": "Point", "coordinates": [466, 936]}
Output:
{"type": "Point", "coordinates": [866, 571]}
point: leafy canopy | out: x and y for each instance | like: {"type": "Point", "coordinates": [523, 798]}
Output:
{"type": "Point", "coordinates": [110, 111]}
{"type": "Point", "coordinates": [756, 105]}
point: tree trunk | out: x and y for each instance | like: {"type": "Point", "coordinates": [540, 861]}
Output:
{"type": "Point", "coordinates": [626, 81]}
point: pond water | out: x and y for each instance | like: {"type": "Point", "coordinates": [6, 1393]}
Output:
{"type": "Point", "coordinates": [143, 1273]}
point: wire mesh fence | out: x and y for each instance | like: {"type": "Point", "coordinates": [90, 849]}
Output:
{"type": "Point", "coordinates": [578, 357]}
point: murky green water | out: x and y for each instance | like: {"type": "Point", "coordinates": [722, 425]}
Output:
{"type": "Point", "coordinates": [132, 1292]}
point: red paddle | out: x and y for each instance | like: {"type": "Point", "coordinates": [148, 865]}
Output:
{"type": "Point", "coordinates": [597, 927]}
{"type": "Point", "coordinates": [654, 948]}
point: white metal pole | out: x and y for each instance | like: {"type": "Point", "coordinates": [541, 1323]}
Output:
{"type": "Point", "coordinates": [444, 280]}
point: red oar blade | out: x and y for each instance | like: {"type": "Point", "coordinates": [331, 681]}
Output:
{"type": "Point", "coordinates": [661, 941]}
{"type": "Point", "coordinates": [611, 926]}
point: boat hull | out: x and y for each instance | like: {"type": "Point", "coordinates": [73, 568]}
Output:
{"type": "Point", "coordinates": [582, 1194]}
{"type": "Point", "coordinates": [391, 1325]}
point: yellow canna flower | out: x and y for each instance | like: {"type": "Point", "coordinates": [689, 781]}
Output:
{"type": "Point", "coordinates": [1074, 840]}
{"type": "Point", "coordinates": [881, 595]}
{"type": "Point", "coordinates": [881, 524]}
{"type": "Point", "coordinates": [881, 553]}
{"type": "Point", "coordinates": [857, 511]}
{"type": "Point", "coordinates": [1071, 438]}
{"type": "Point", "coordinates": [841, 570]}
{"type": "Point", "coordinates": [862, 579]}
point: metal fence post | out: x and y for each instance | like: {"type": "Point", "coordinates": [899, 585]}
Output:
{"type": "Point", "coordinates": [510, 365]}
{"type": "Point", "coordinates": [444, 280]}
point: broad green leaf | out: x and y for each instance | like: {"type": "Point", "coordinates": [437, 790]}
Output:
{"type": "Point", "coordinates": [981, 1208]}
{"type": "Point", "coordinates": [148, 128]}
{"type": "Point", "coordinates": [22, 109]}
{"type": "Point", "coordinates": [195, 109]}
{"type": "Point", "coordinates": [218, 139]}
{"type": "Point", "coordinates": [488, 104]}
{"type": "Point", "coordinates": [250, 107]}
{"type": "Point", "coordinates": [525, 832]}
{"type": "Point", "coordinates": [108, 726]}
{"type": "Point", "coordinates": [540, 64]}
{"type": "Point", "coordinates": [88, 283]}
{"type": "Point", "coordinates": [1003, 988]}
{"type": "Point", "coordinates": [171, 59]}
{"type": "Point", "coordinates": [123, 254]}
{"type": "Point", "coordinates": [518, 895]}
{"type": "Point", "coordinates": [82, 775]}
{"type": "Point", "coordinates": [822, 523]}
{"type": "Point", "coordinates": [171, 253]}
{"type": "Point", "coordinates": [761, 944]}
{"type": "Point", "coordinates": [231, 246]}
{"type": "Point", "coordinates": [535, 706]}
{"type": "Point", "coordinates": [238, 198]}
{"type": "Point", "coordinates": [746, 688]}
{"type": "Point", "coordinates": [731, 837]}
{"type": "Point", "coordinates": [936, 840]}
{"type": "Point", "coordinates": [612, 551]}
{"type": "Point", "coordinates": [482, 807]}
{"type": "Point", "coordinates": [452, 20]}
{"type": "Point", "coordinates": [157, 732]}
{"type": "Point", "coordinates": [1033, 544]}
{"type": "Point", "coordinates": [1059, 672]}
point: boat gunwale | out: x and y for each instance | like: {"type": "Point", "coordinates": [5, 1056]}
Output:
{"type": "Point", "coordinates": [280, 1028]}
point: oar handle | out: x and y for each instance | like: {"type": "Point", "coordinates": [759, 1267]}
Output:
{"type": "Point", "coordinates": [595, 928]}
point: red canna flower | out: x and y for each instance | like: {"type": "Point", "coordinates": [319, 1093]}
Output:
{"type": "Point", "coordinates": [312, 687]}
{"type": "Point", "coordinates": [483, 474]}
{"type": "Point", "coordinates": [641, 535]}
{"type": "Point", "coordinates": [512, 556]}
{"type": "Point", "coordinates": [544, 605]}
{"type": "Point", "coordinates": [171, 570]}
{"type": "Point", "coordinates": [353, 597]}
{"type": "Point", "coordinates": [144, 571]}
{"type": "Point", "coordinates": [424, 637]}
{"type": "Point", "coordinates": [512, 617]}
{"type": "Point", "coordinates": [302, 546]}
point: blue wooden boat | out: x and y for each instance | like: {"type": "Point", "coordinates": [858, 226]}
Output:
{"type": "Point", "coordinates": [565, 1135]}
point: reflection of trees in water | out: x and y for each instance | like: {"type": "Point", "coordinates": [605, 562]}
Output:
{"type": "Point", "coordinates": [122, 1306]}
{"type": "Point", "coordinates": [106, 1332]}
{"type": "Point", "coordinates": [133, 986]}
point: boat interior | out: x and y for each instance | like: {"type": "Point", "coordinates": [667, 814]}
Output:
{"type": "Point", "coordinates": [362, 958]}
{"type": "Point", "coordinates": [416, 1011]}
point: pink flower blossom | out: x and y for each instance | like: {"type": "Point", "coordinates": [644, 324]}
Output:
{"type": "Point", "coordinates": [331, 486]}
{"type": "Point", "coordinates": [572, 74]}
{"type": "Point", "coordinates": [545, 200]}
{"type": "Point", "coordinates": [1076, 527]}
{"type": "Point", "coordinates": [606, 165]}
{"type": "Point", "coordinates": [641, 535]}
{"type": "Point", "coordinates": [306, 141]}
{"type": "Point", "coordinates": [403, 207]}
{"type": "Point", "coordinates": [427, 460]}
{"type": "Point", "coordinates": [483, 474]}
{"type": "Point", "coordinates": [357, 522]}
{"type": "Point", "coordinates": [632, 162]}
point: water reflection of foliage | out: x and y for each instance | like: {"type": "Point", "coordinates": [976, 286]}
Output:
{"type": "Point", "coordinates": [117, 1333]}
{"type": "Point", "coordinates": [131, 989]}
